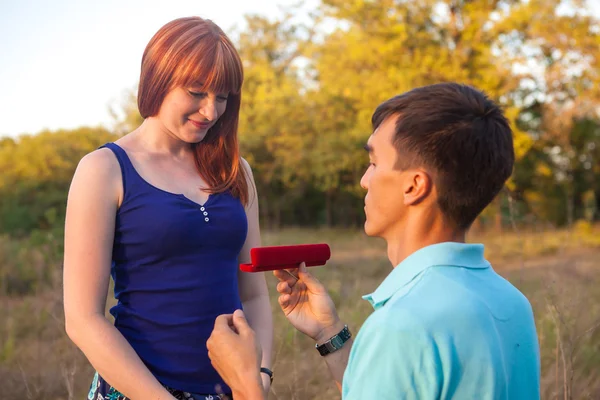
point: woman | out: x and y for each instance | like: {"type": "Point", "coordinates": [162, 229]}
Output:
{"type": "Point", "coordinates": [169, 210]}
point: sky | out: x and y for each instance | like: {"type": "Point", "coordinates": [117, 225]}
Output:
{"type": "Point", "coordinates": [64, 62]}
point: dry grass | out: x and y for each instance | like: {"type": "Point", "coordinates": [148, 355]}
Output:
{"type": "Point", "coordinates": [557, 270]}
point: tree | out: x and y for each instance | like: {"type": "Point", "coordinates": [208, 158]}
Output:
{"type": "Point", "coordinates": [35, 174]}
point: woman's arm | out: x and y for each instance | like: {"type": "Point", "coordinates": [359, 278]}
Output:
{"type": "Point", "coordinates": [253, 286]}
{"type": "Point", "coordinates": [92, 204]}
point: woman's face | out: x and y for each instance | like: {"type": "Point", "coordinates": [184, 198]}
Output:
{"type": "Point", "coordinates": [188, 112]}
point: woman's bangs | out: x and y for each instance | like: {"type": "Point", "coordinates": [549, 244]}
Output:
{"type": "Point", "coordinates": [218, 70]}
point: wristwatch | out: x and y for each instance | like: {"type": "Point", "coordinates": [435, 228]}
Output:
{"type": "Point", "coordinates": [335, 343]}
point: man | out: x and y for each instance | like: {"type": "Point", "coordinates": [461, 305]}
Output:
{"type": "Point", "coordinates": [445, 325]}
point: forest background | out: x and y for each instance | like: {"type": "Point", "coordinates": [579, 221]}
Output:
{"type": "Point", "coordinates": [311, 85]}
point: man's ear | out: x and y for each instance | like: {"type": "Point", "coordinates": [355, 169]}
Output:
{"type": "Point", "coordinates": [417, 186]}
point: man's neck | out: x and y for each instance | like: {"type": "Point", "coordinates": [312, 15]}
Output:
{"type": "Point", "coordinates": [418, 235]}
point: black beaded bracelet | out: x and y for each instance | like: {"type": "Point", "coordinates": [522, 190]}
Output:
{"type": "Point", "coordinates": [268, 372]}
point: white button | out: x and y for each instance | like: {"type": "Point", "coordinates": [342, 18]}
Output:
{"type": "Point", "coordinates": [205, 213]}
{"type": "Point", "coordinates": [206, 219]}
{"type": "Point", "coordinates": [201, 208]}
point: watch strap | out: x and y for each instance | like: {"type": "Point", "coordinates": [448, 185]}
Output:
{"type": "Point", "coordinates": [335, 343]}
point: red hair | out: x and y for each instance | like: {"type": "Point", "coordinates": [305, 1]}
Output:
{"type": "Point", "coordinates": [191, 51]}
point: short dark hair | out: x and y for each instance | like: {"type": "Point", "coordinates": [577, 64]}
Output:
{"type": "Point", "coordinates": [462, 136]}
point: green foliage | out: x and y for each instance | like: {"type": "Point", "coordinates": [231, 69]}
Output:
{"type": "Point", "coordinates": [302, 129]}
{"type": "Point", "coordinates": [35, 173]}
{"type": "Point", "coordinates": [30, 264]}
{"type": "Point", "coordinates": [311, 85]}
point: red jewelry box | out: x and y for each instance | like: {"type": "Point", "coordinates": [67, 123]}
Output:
{"type": "Point", "coordinates": [269, 258]}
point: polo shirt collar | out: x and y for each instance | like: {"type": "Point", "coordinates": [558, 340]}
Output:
{"type": "Point", "coordinates": [449, 254]}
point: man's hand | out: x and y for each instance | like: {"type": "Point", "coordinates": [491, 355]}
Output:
{"type": "Point", "coordinates": [306, 304]}
{"type": "Point", "coordinates": [235, 353]}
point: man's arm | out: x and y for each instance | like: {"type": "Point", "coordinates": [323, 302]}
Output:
{"type": "Point", "coordinates": [235, 352]}
{"type": "Point", "coordinates": [309, 308]}
{"type": "Point", "coordinates": [338, 360]}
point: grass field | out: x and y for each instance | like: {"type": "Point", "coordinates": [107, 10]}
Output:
{"type": "Point", "coordinates": [557, 270]}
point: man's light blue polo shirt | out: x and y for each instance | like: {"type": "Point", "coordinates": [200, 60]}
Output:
{"type": "Point", "coordinates": [445, 326]}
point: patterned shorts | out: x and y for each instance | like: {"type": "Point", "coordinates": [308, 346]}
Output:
{"type": "Point", "coordinates": [102, 390]}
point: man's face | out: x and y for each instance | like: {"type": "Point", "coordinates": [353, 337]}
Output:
{"type": "Point", "coordinates": [384, 202]}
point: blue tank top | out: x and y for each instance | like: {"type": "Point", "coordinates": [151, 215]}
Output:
{"type": "Point", "coordinates": [175, 265]}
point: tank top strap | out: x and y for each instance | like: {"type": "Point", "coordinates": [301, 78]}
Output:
{"type": "Point", "coordinates": [128, 173]}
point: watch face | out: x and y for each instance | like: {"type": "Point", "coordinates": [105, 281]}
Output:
{"type": "Point", "coordinates": [337, 342]}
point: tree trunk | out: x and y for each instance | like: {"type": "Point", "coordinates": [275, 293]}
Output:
{"type": "Point", "coordinates": [264, 211]}
{"type": "Point", "coordinates": [329, 208]}
{"type": "Point", "coordinates": [277, 216]}
{"type": "Point", "coordinates": [597, 210]}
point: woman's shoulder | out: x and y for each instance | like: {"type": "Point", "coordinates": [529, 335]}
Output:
{"type": "Point", "coordinates": [98, 168]}
{"type": "Point", "coordinates": [106, 157]}
{"type": "Point", "coordinates": [97, 180]}
{"type": "Point", "coordinates": [99, 160]}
